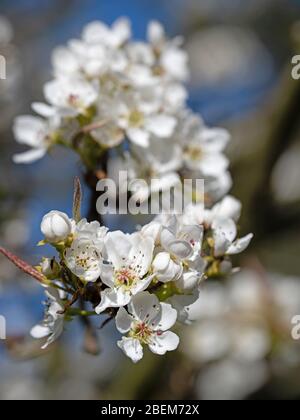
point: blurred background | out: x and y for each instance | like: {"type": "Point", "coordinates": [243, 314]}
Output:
{"type": "Point", "coordinates": [240, 59]}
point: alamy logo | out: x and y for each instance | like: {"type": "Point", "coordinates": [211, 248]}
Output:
{"type": "Point", "coordinates": [136, 196]}
{"type": "Point", "coordinates": [2, 327]}
{"type": "Point", "coordinates": [296, 329]}
{"type": "Point", "coordinates": [2, 67]}
{"type": "Point", "coordinates": [296, 67]}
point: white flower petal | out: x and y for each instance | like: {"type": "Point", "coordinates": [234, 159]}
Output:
{"type": "Point", "coordinates": [167, 341]}
{"type": "Point", "coordinates": [142, 285]}
{"type": "Point", "coordinates": [95, 32]}
{"type": "Point", "coordinates": [40, 331]}
{"type": "Point", "coordinates": [141, 255]}
{"type": "Point", "coordinates": [161, 262]}
{"type": "Point", "coordinates": [181, 249]}
{"type": "Point", "coordinates": [122, 31]}
{"type": "Point", "coordinates": [132, 348]}
{"type": "Point", "coordinates": [118, 247]}
{"type": "Point", "coordinates": [175, 62]}
{"type": "Point", "coordinates": [167, 237]}
{"type": "Point", "coordinates": [189, 280]}
{"type": "Point", "coordinates": [165, 269]}
{"type": "Point", "coordinates": [113, 298]}
{"type": "Point", "coordinates": [107, 274]}
{"type": "Point", "coordinates": [123, 321]}
{"type": "Point", "coordinates": [30, 156]}
{"type": "Point", "coordinates": [240, 245]}
{"type": "Point", "coordinates": [214, 139]}
{"type": "Point", "coordinates": [145, 307]}
{"type": "Point", "coordinates": [166, 319]}
{"type": "Point", "coordinates": [29, 130]}
{"type": "Point", "coordinates": [138, 136]}
{"type": "Point", "coordinates": [213, 164]}
{"type": "Point", "coordinates": [161, 125]}
{"type": "Point", "coordinates": [42, 109]}
{"type": "Point", "coordinates": [224, 232]}
{"type": "Point", "coordinates": [228, 208]}
{"type": "Point", "coordinates": [155, 32]}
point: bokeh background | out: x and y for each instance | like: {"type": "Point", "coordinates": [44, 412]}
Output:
{"type": "Point", "coordinates": [241, 347]}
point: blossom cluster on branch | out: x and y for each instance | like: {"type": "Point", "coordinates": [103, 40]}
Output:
{"type": "Point", "coordinates": [110, 92]}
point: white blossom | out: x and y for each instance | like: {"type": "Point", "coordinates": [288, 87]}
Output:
{"type": "Point", "coordinates": [182, 241]}
{"type": "Point", "coordinates": [91, 231]}
{"type": "Point", "coordinates": [84, 259]}
{"type": "Point", "coordinates": [34, 132]}
{"type": "Point", "coordinates": [225, 242]}
{"type": "Point", "coordinates": [146, 323]}
{"type": "Point", "coordinates": [52, 325]}
{"type": "Point", "coordinates": [172, 59]}
{"type": "Point", "coordinates": [127, 272]}
{"type": "Point", "coordinates": [70, 96]}
{"type": "Point", "coordinates": [228, 208]}
{"type": "Point", "coordinates": [85, 255]}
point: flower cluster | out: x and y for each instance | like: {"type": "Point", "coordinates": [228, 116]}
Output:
{"type": "Point", "coordinates": [110, 91]}
{"type": "Point", "coordinates": [145, 280]}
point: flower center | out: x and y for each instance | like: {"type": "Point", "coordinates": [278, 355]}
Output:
{"type": "Point", "coordinates": [142, 332]}
{"type": "Point", "coordinates": [194, 152]}
{"type": "Point", "coordinates": [136, 119]}
{"type": "Point", "coordinates": [86, 261]}
{"type": "Point", "coordinates": [125, 278]}
{"type": "Point", "coordinates": [83, 262]}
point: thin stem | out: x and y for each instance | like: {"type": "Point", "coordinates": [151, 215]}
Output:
{"type": "Point", "coordinates": [80, 312]}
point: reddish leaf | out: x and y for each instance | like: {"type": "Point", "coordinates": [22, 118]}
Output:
{"type": "Point", "coordinates": [24, 266]}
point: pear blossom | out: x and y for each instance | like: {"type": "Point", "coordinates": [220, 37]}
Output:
{"type": "Point", "coordinates": [99, 33]}
{"type": "Point", "coordinates": [34, 132]}
{"type": "Point", "coordinates": [56, 226]}
{"type": "Point", "coordinates": [70, 96]}
{"type": "Point", "coordinates": [172, 59]}
{"type": "Point", "coordinates": [158, 167]}
{"type": "Point", "coordinates": [146, 323]}
{"type": "Point", "coordinates": [84, 259]}
{"type": "Point", "coordinates": [225, 242]}
{"type": "Point", "coordinates": [127, 271]}
{"type": "Point", "coordinates": [184, 303]}
{"type": "Point", "coordinates": [52, 325]}
{"type": "Point", "coordinates": [180, 262]}
{"type": "Point", "coordinates": [183, 242]}
{"type": "Point", "coordinates": [141, 117]}
{"type": "Point", "coordinates": [91, 231]}
{"type": "Point", "coordinates": [205, 151]}
{"type": "Point", "coordinates": [228, 208]}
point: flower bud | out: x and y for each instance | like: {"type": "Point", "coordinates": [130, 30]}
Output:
{"type": "Point", "coordinates": [165, 268]}
{"type": "Point", "coordinates": [188, 281]}
{"type": "Point", "coordinates": [56, 226]}
{"type": "Point", "coordinates": [50, 268]}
